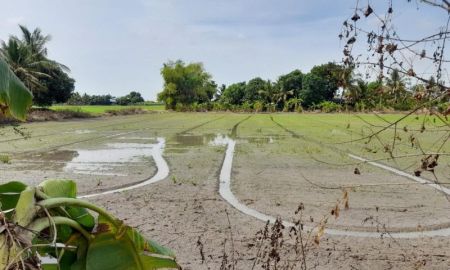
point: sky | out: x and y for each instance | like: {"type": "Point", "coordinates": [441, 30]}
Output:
{"type": "Point", "coordinates": [118, 46]}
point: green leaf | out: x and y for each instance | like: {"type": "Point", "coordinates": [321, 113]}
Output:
{"type": "Point", "coordinates": [26, 208]}
{"type": "Point", "coordinates": [9, 195]}
{"type": "Point", "coordinates": [75, 259]}
{"type": "Point", "coordinates": [68, 189]}
{"type": "Point", "coordinates": [151, 262]}
{"type": "Point", "coordinates": [143, 244]}
{"type": "Point", "coordinates": [139, 241]}
{"type": "Point", "coordinates": [135, 243]}
{"type": "Point", "coordinates": [59, 188]}
{"type": "Point", "coordinates": [15, 98]}
{"type": "Point", "coordinates": [109, 253]}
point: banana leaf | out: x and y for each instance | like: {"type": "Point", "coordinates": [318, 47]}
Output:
{"type": "Point", "coordinates": [15, 98]}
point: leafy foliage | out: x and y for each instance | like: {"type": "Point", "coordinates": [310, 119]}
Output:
{"type": "Point", "coordinates": [15, 98]}
{"type": "Point", "coordinates": [85, 99]}
{"type": "Point", "coordinates": [88, 244]}
{"type": "Point", "coordinates": [186, 84]}
{"type": "Point", "coordinates": [27, 58]}
{"type": "Point", "coordinates": [130, 99]}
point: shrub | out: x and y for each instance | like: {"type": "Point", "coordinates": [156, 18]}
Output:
{"type": "Point", "coordinates": [444, 107]}
{"type": "Point", "coordinates": [247, 106]}
{"type": "Point", "coordinates": [258, 106]}
{"type": "Point", "coordinates": [329, 106]}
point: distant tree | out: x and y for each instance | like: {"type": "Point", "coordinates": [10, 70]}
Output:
{"type": "Point", "coordinates": [219, 92]}
{"type": "Point", "coordinates": [186, 84]}
{"type": "Point", "coordinates": [57, 89]}
{"type": "Point", "coordinates": [356, 91]}
{"type": "Point", "coordinates": [321, 83]}
{"type": "Point", "coordinates": [396, 86]}
{"type": "Point", "coordinates": [85, 99]}
{"type": "Point", "coordinates": [315, 89]}
{"type": "Point", "coordinates": [253, 89]}
{"type": "Point", "coordinates": [75, 99]}
{"type": "Point", "coordinates": [100, 100]}
{"type": "Point", "coordinates": [234, 94]}
{"type": "Point", "coordinates": [290, 84]}
{"type": "Point", "coordinates": [130, 99]}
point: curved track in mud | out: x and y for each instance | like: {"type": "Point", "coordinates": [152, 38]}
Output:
{"type": "Point", "coordinates": [161, 173]}
{"type": "Point", "coordinates": [227, 195]}
{"type": "Point", "coordinates": [162, 168]}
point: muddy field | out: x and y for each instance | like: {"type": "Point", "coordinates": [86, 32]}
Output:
{"type": "Point", "coordinates": [204, 183]}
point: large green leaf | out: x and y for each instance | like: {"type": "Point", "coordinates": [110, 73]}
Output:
{"type": "Point", "coordinates": [15, 98]}
{"type": "Point", "coordinates": [143, 244]}
{"type": "Point", "coordinates": [59, 188]}
{"type": "Point", "coordinates": [139, 241]}
{"type": "Point", "coordinates": [9, 195]}
{"type": "Point", "coordinates": [26, 208]}
{"type": "Point", "coordinates": [68, 189]}
{"type": "Point", "coordinates": [141, 251]}
{"type": "Point", "coordinates": [108, 251]}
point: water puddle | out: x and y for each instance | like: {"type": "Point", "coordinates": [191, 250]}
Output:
{"type": "Point", "coordinates": [260, 140]}
{"type": "Point", "coordinates": [187, 140]}
{"type": "Point", "coordinates": [227, 195]}
{"type": "Point", "coordinates": [155, 151]}
{"type": "Point", "coordinates": [105, 161]}
{"type": "Point", "coordinates": [81, 131]}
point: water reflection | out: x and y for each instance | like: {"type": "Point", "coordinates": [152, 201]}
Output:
{"type": "Point", "coordinates": [106, 161]}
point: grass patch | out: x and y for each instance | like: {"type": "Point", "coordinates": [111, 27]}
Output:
{"type": "Point", "coordinates": [102, 109]}
{"type": "Point", "coordinates": [5, 159]}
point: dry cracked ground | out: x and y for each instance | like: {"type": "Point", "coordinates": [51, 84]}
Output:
{"type": "Point", "coordinates": [280, 161]}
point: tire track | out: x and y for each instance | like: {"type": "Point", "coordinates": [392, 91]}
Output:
{"type": "Point", "coordinates": [200, 125]}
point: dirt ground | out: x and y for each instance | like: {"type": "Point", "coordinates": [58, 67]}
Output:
{"type": "Point", "coordinates": [273, 172]}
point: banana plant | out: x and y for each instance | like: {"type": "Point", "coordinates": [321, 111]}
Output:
{"type": "Point", "coordinates": [15, 98]}
{"type": "Point", "coordinates": [48, 221]}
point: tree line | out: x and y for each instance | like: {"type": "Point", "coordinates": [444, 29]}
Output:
{"type": "Point", "coordinates": [132, 98]}
{"type": "Point", "coordinates": [328, 87]}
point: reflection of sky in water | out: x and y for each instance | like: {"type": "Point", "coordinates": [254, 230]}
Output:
{"type": "Point", "coordinates": [81, 131]}
{"type": "Point", "coordinates": [103, 161]}
{"type": "Point", "coordinates": [220, 140]}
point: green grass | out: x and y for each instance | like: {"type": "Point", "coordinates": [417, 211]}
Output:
{"type": "Point", "coordinates": [5, 159]}
{"type": "Point", "coordinates": [101, 109]}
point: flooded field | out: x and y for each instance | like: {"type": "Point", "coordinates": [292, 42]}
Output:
{"type": "Point", "coordinates": [186, 178]}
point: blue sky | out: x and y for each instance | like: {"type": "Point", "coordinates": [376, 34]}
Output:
{"type": "Point", "coordinates": [117, 46]}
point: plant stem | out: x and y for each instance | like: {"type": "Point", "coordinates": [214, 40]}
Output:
{"type": "Point", "coordinates": [41, 195]}
{"type": "Point", "coordinates": [55, 202]}
{"type": "Point", "coordinates": [45, 222]}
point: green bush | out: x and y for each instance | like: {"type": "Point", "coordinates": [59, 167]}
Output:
{"type": "Point", "coordinates": [329, 106]}
{"type": "Point", "coordinates": [258, 106]}
{"type": "Point", "coordinates": [443, 107]}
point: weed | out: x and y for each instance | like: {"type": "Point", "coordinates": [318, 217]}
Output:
{"type": "Point", "coordinates": [174, 179]}
{"type": "Point", "coordinates": [5, 159]}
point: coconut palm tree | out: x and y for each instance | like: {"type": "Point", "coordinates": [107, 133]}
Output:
{"type": "Point", "coordinates": [27, 57]}
{"type": "Point", "coordinates": [396, 85]}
